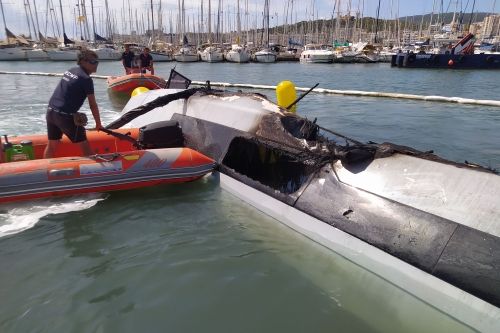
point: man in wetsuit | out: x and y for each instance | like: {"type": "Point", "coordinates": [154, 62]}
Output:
{"type": "Point", "coordinates": [127, 59]}
{"type": "Point", "coordinates": [75, 86]}
{"type": "Point", "coordinates": [146, 61]}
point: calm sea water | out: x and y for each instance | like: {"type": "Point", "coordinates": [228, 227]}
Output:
{"type": "Point", "coordinates": [191, 257]}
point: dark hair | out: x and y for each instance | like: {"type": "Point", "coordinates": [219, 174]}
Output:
{"type": "Point", "coordinates": [147, 49]}
{"type": "Point", "coordinates": [86, 54]}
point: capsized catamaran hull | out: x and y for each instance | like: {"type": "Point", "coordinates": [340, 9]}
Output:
{"type": "Point", "coordinates": [428, 225]}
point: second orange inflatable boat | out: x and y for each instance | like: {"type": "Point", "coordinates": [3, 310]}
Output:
{"type": "Point", "coordinates": [127, 83]}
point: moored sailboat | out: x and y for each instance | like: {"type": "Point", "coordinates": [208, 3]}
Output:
{"type": "Point", "coordinates": [266, 55]}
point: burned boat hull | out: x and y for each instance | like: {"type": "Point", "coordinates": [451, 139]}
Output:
{"type": "Point", "coordinates": [440, 246]}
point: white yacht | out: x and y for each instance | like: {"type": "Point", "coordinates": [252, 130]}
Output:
{"type": "Point", "coordinates": [212, 53]}
{"type": "Point", "coordinates": [186, 54]}
{"type": "Point", "coordinates": [107, 52]}
{"type": "Point", "coordinates": [266, 55]}
{"type": "Point", "coordinates": [12, 52]}
{"type": "Point", "coordinates": [63, 54]}
{"type": "Point", "coordinates": [37, 54]}
{"type": "Point", "coordinates": [162, 56]}
{"type": "Point", "coordinates": [316, 53]}
{"type": "Point", "coordinates": [238, 54]}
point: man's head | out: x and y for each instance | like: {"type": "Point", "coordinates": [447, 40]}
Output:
{"type": "Point", "coordinates": [87, 59]}
{"type": "Point", "coordinates": [146, 50]}
{"type": "Point", "coordinates": [127, 47]}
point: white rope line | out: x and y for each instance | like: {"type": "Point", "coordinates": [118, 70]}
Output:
{"type": "Point", "coordinates": [442, 99]}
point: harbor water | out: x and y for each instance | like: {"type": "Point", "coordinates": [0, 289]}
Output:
{"type": "Point", "coordinates": [192, 257]}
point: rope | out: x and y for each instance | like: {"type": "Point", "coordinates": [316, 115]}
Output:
{"type": "Point", "coordinates": [325, 91]}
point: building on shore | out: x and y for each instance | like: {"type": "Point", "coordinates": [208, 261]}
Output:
{"type": "Point", "coordinates": [491, 26]}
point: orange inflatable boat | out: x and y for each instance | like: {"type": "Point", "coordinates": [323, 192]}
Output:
{"type": "Point", "coordinates": [117, 165]}
{"type": "Point", "coordinates": [127, 83]}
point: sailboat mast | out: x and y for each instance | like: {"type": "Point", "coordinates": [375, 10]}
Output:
{"type": "Point", "coordinates": [62, 17]}
{"type": "Point", "coordinates": [36, 18]}
{"type": "Point", "coordinates": [108, 21]}
{"type": "Point", "coordinates": [376, 22]}
{"type": "Point", "coordinates": [267, 21]}
{"type": "Point", "coordinates": [183, 21]}
{"type": "Point", "coordinates": [27, 18]}
{"type": "Point", "coordinates": [472, 13]}
{"type": "Point", "coordinates": [217, 30]}
{"type": "Point", "coordinates": [209, 21]}
{"type": "Point", "coordinates": [152, 21]}
{"type": "Point", "coordinates": [238, 19]}
{"type": "Point", "coordinates": [3, 17]}
{"type": "Point", "coordinates": [93, 18]}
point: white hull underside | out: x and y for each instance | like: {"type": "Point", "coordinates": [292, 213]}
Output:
{"type": "Point", "coordinates": [162, 57]}
{"type": "Point", "coordinates": [265, 57]}
{"type": "Point", "coordinates": [238, 56]}
{"type": "Point", "coordinates": [212, 56]}
{"type": "Point", "coordinates": [186, 57]}
{"type": "Point", "coordinates": [13, 54]}
{"type": "Point", "coordinates": [66, 55]}
{"type": "Point", "coordinates": [37, 55]}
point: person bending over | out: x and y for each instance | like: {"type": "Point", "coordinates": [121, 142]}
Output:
{"type": "Point", "coordinates": [75, 86]}
{"type": "Point", "coordinates": [128, 59]}
{"type": "Point", "coordinates": [146, 61]}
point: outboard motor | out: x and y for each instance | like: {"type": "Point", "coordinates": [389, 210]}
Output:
{"type": "Point", "coordinates": [162, 134]}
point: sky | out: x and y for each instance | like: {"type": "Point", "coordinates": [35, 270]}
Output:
{"type": "Point", "coordinates": [303, 10]}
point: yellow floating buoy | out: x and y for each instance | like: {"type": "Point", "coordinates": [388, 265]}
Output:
{"type": "Point", "coordinates": [286, 95]}
{"type": "Point", "coordinates": [138, 91]}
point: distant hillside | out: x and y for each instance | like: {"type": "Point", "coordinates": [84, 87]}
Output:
{"type": "Point", "coordinates": [446, 18]}
{"type": "Point", "coordinates": [369, 23]}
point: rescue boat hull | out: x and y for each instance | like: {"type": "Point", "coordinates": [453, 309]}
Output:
{"type": "Point", "coordinates": [127, 83]}
{"type": "Point", "coordinates": [117, 165]}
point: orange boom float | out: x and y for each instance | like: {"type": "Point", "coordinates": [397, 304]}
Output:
{"type": "Point", "coordinates": [117, 165]}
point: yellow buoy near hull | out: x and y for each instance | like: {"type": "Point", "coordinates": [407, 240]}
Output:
{"type": "Point", "coordinates": [138, 91]}
{"type": "Point", "coordinates": [286, 95]}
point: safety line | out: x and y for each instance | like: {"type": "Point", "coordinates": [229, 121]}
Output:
{"type": "Point", "coordinates": [441, 99]}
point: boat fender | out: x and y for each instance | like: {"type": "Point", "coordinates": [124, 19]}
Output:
{"type": "Point", "coordinates": [412, 57]}
{"type": "Point", "coordinates": [436, 59]}
{"type": "Point", "coordinates": [286, 95]}
{"type": "Point", "coordinates": [451, 63]}
{"type": "Point", "coordinates": [490, 59]}
{"type": "Point", "coordinates": [461, 58]}
{"type": "Point", "coordinates": [138, 91]}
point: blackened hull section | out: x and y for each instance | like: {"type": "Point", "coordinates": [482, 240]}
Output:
{"type": "Point", "coordinates": [466, 258]}
{"type": "Point", "coordinates": [462, 256]}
